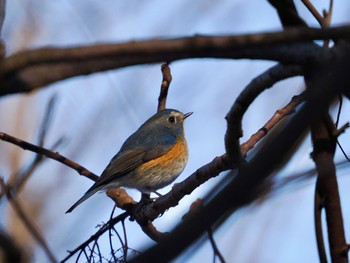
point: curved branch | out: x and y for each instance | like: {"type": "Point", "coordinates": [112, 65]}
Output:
{"type": "Point", "coordinates": [20, 72]}
{"type": "Point", "coordinates": [245, 99]}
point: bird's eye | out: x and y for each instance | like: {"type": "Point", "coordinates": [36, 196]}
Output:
{"type": "Point", "coordinates": [171, 119]}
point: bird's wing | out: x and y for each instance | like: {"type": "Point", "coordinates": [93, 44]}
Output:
{"type": "Point", "coordinates": [133, 154]}
{"type": "Point", "coordinates": [128, 160]}
{"type": "Point", "coordinates": [120, 165]}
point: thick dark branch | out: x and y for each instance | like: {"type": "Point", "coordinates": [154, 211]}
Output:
{"type": "Point", "coordinates": [288, 13]}
{"type": "Point", "coordinates": [327, 190]}
{"type": "Point", "coordinates": [245, 99]}
{"type": "Point", "coordinates": [21, 71]}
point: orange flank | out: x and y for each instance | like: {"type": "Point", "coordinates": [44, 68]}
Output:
{"type": "Point", "coordinates": [172, 156]}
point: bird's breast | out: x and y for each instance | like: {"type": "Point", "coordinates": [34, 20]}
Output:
{"type": "Point", "coordinates": [163, 170]}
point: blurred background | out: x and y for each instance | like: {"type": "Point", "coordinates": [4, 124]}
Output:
{"type": "Point", "coordinates": [94, 115]}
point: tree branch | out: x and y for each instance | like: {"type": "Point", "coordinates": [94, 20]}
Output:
{"type": "Point", "coordinates": [97, 235]}
{"type": "Point", "coordinates": [52, 155]}
{"type": "Point", "coordinates": [327, 190]}
{"type": "Point", "coordinates": [20, 72]}
{"type": "Point", "coordinates": [245, 99]}
{"type": "Point", "coordinates": [275, 119]}
{"type": "Point", "coordinates": [164, 87]}
{"type": "Point", "coordinates": [214, 246]}
{"type": "Point", "coordinates": [288, 13]}
{"type": "Point", "coordinates": [313, 11]}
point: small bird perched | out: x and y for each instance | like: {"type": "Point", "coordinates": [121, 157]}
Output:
{"type": "Point", "coordinates": [150, 159]}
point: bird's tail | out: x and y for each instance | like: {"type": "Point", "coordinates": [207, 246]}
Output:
{"type": "Point", "coordinates": [88, 194]}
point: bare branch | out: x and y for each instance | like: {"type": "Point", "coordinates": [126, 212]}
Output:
{"type": "Point", "coordinates": [164, 87]}
{"type": "Point", "coordinates": [20, 72]}
{"type": "Point", "coordinates": [96, 236]}
{"type": "Point", "coordinates": [214, 246]}
{"type": "Point", "coordinates": [288, 13]}
{"type": "Point", "coordinates": [318, 205]}
{"type": "Point", "coordinates": [276, 118]}
{"type": "Point", "coordinates": [127, 203]}
{"type": "Point", "coordinates": [52, 155]}
{"type": "Point", "coordinates": [328, 14]}
{"type": "Point", "coordinates": [313, 11]}
{"type": "Point", "coordinates": [244, 100]}
{"type": "Point", "coordinates": [327, 190]}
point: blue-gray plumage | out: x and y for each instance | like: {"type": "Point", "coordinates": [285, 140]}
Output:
{"type": "Point", "coordinates": [151, 158]}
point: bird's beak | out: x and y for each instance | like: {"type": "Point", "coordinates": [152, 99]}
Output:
{"type": "Point", "coordinates": [188, 114]}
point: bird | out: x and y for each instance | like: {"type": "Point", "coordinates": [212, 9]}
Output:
{"type": "Point", "coordinates": [150, 159]}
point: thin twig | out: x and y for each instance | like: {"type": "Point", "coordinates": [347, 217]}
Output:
{"type": "Point", "coordinates": [272, 122]}
{"type": "Point", "coordinates": [216, 250]}
{"type": "Point", "coordinates": [164, 87]}
{"type": "Point", "coordinates": [328, 15]}
{"type": "Point", "coordinates": [125, 247]}
{"type": "Point", "coordinates": [32, 228]}
{"type": "Point", "coordinates": [313, 11]}
{"type": "Point", "coordinates": [50, 154]}
{"type": "Point", "coordinates": [104, 228]}
{"type": "Point", "coordinates": [110, 235]}
{"type": "Point", "coordinates": [127, 203]}
{"type": "Point", "coordinates": [318, 205]}
{"type": "Point", "coordinates": [340, 97]}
